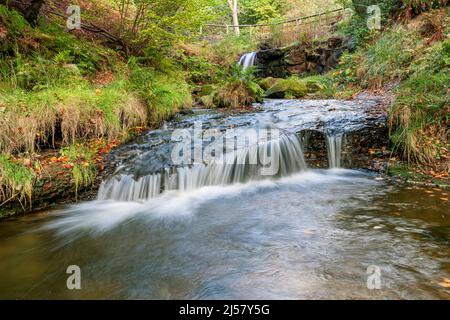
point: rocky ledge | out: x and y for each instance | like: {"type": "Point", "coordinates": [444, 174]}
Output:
{"type": "Point", "coordinates": [301, 59]}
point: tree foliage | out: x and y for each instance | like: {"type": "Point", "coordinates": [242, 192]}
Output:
{"type": "Point", "coordinates": [256, 11]}
{"type": "Point", "coordinates": [158, 24]}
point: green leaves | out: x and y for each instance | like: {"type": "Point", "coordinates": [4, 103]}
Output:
{"type": "Point", "coordinates": [160, 24]}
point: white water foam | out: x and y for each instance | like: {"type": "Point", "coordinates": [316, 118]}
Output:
{"type": "Point", "coordinates": [101, 216]}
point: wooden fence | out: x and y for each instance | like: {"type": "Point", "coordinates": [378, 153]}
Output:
{"type": "Point", "coordinates": [313, 26]}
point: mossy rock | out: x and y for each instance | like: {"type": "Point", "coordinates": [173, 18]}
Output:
{"type": "Point", "coordinates": [314, 86]}
{"type": "Point", "coordinates": [268, 82]}
{"type": "Point", "coordinates": [287, 89]}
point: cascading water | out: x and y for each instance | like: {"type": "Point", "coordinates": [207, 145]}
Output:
{"type": "Point", "coordinates": [212, 239]}
{"type": "Point", "coordinates": [247, 60]}
{"type": "Point", "coordinates": [286, 156]}
{"type": "Point", "coordinates": [334, 147]}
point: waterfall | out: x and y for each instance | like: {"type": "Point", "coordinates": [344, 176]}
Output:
{"type": "Point", "coordinates": [247, 60]}
{"type": "Point", "coordinates": [240, 166]}
{"type": "Point", "coordinates": [334, 146]}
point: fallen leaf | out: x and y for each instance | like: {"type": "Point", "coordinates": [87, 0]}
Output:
{"type": "Point", "coordinates": [445, 283]}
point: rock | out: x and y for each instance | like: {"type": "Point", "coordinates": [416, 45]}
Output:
{"type": "Point", "coordinates": [266, 83]}
{"type": "Point", "coordinates": [356, 148]}
{"type": "Point", "coordinates": [287, 89]}
{"type": "Point", "coordinates": [313, 86]}
{"type": "Point", "coordinates": [302, 59]}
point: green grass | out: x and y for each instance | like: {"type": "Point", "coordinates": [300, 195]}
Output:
{"type": "Point", "coordinates": [82, 111]}
{"type": "Point", "coordinates": [16, 181]}
{"type": "Point", "coordinates": [421, 113]}
{"type": "Point", "coordinates": [84, 170]}
{"type": "Point", "coordinates": [164, 94]}
{"type": "Point", "coordinates": [389, 58]}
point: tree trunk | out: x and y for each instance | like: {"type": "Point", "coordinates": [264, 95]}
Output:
{"type": "Point", "coordinates": [32, 11]}
{"type": "Point", "coordinates": [234, 12]}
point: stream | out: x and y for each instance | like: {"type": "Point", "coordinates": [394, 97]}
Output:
{"type": "Point", "coordinates": [202, 229]}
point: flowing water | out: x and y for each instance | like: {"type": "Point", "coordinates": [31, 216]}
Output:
{"type": "Point", "coordinates": [334, 144]}
{"type": "Point", "coordinates": [247, 60]}
{"type": "Point", "coordinates": [162, 230]}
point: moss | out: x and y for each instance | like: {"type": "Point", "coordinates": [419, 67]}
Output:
{"type": "Point", "coordinates": [410, 173]}
{"type": "Point", "coordinates": [266, 83]}
{"type": "Point", "coordinates": [290, 88]}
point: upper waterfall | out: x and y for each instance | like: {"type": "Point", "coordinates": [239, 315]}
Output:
{"type": "Point", "coordinates": [247, 60]}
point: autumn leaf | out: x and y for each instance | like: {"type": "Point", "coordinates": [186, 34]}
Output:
{"type": "Point", "coordinates": [445, 283]}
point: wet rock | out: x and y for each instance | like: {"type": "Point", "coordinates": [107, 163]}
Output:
{"type": "Point", "coordinates": [303, 58]}
{"type": "Point", "coordinates": [366, 148]}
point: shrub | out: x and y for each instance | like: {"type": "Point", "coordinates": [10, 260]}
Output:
{"type": "Point", "coordinates": [238, 89]}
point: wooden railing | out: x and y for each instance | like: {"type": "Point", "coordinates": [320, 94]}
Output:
{"type": "Point", "coordinates": [286, 31]}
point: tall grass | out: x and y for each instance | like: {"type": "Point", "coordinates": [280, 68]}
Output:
{"type": "Point", "coordinates": [81, 158]}
{"type": "Point", "coordinates": [164, 94]}
{"type": "Point", "coordinates": [389, 58]}
{"type": "Point", "coordinates": [30, 119]}
{"type": "Point", "coordinates": [16, 181]}
{"type": "Point", "coordinates": [420, 116]}
{"type": "Point", "coordinates": [238, 89]}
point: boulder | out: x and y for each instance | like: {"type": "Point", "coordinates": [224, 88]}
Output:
{"type": "Point", "coordinates": [266, 83]}
{"type": "Point", "coordinates": [287, 89]}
